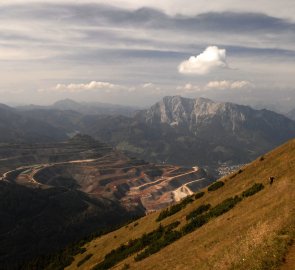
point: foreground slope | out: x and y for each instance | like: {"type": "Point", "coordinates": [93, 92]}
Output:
{"type": "Point", "coordinates": [255, 234]}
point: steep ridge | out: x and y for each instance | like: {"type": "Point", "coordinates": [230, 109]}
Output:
{"type": "Point", "coordinates": [250, 225]}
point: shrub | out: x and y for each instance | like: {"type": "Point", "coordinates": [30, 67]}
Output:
{"type": "Point", "coordinates": [224, 206]}
{"type": "Point", "coordinates": [168, 238]}
{"type": "Point", "coordinates": [163, 214]}
{"type": "Point", "coordinates": [195, 223]}
{"type": "Point", "coordinates": [199, 195]}
{"type": "Point", "coordinates": [150, 240]}
{"type": "Point", "coordinates": [85, 259]}
{"type": "Point", "coordinates": [169, 212]}
{"type": "Point", "coordinates": [200, 210]}
{"type": "Point", "coordinates": [174, 208]}
{"type": "Point", "coordinates": [233, 176]}
{"type": "Point", "coordinates": [172, 226]}
{"type": "Point", "coordinates": [156, 240]}
{"type": "Point", "coordinates": [252, 190]}
{"type": "Point", "coordinates": [215, 186]}
{"type": "Point", "coordinates": [186, 201]}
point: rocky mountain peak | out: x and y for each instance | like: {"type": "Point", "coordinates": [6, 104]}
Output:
{"type": "Point", "coordinates": [176, 111]}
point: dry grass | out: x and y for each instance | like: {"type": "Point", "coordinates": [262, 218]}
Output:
{"type": "Point", "coordinates": [253, 235]}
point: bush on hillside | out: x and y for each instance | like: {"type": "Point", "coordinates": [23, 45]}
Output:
{"type": "Point", "coordinates": [165, 234]}
{"type": "Point", "coordinates": [169, 212]}
{"type": "Point", "coordinates": [85, 259]}
{"type": "Point", "coordinates": [194, 224]}
{"type": "Point", "coordinates": [168, 238]}
{"type": "Point", "coordinates": [224, 206]}
{"type": "Point", "coordinates": [174, 208]}
{"type": "Point", "coordinates": [253, 190]}
{"type": "Point", "coordinates": [172, 226]}
{"type": "Point", "coordinates": [200, 210]}
{"type": "Point", "coordinates": [199, 195]}
{"type": "Point", "coordinates": [215, 186]}
{"type": "Point", "coordinates": [156, 240]}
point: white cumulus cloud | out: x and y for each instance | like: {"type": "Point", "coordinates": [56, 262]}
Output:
{"type": "Point", "coordinates": [210, 59]}
{"type": "Point", "coordinates": [228, 85]}
{"type": "Point", "coordinates": [74, 88]}
{"type": "Point", "coordinates": [148, 85]}
{"type": "Point", "coordinates": [189, 88]}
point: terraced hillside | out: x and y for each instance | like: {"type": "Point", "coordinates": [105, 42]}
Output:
{"type": "Point", "coordinates": [132, 182]}
{"type": "Point", "coordinates": [244, 223]}
{"type": "Point", "coordinates": [102, 172]}
{"type": "Point", "coordinates": [80, 147]}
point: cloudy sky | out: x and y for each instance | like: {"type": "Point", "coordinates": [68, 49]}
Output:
{"type": "Point", "coordinates": [135, 52]}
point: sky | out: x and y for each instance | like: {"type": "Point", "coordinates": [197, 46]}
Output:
{"type": "Point", "coordinates": [135, 52]}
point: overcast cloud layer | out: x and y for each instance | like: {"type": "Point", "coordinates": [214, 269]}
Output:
{"type": "Point", "coordinates": [110, 50]}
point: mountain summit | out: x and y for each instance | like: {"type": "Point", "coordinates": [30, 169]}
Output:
{"type": "Point", "coordinates": [210, 132]}
{"type": "Point", "coordinates": [202, 115]}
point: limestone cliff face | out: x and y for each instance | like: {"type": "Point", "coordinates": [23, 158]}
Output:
{"type": "Point", "coordinates": [200, 115]}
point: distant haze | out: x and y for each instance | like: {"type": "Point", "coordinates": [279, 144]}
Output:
{"type": "Point", "coordinates": [135, 52]}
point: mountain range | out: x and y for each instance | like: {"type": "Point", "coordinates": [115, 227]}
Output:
{"type": "Point", "coordinates": [59, 186]}
{"type": "Point", "coordinates": [84, 107]}
{"type": "Point", "coordinates": [194, 131]}
{"type": "Point", "coordinates": [175, 130]}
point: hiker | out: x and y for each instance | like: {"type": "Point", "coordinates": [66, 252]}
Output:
{"type": "Point", "coordinates": [271, 179]}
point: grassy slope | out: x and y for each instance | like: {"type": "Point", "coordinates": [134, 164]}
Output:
{"type": "Point", "coordinates": [253, 235]}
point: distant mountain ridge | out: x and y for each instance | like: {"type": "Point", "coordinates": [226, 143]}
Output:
{"type": "Point", "coordinates": [188, 131]}
{"type": "Point", "coordinates": [175, 130]}
{"type": "Point", "coordinates": [198, 115]}
{"type": "Point", "coordinates": [16, 127]}
{"type": "Point", "coordinates": [85, 107]}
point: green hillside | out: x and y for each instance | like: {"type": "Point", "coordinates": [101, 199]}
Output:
{"type": "Point", "coordinates": [244, 224]}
